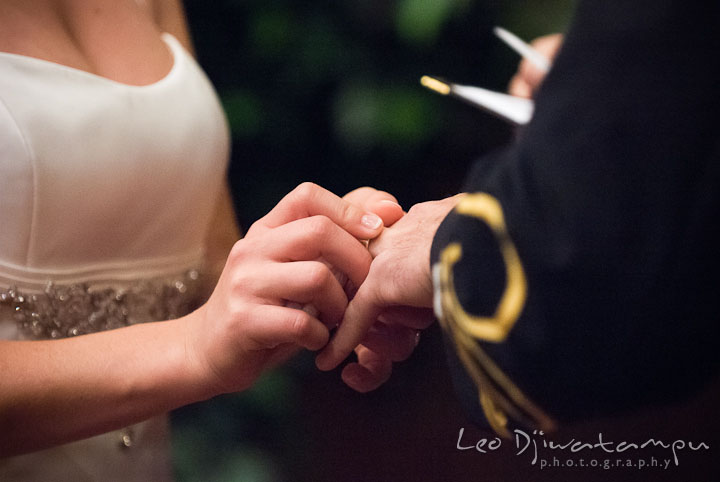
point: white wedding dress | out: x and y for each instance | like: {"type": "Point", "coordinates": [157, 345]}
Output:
{"type": "Point", "coordinates": [106, 194]}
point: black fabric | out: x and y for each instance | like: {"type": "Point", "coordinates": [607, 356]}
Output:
{"type": "Point", "coordinates": [611, 195]}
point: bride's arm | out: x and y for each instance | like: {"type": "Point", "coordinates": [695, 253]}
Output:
{"type": "Point", "coordinates": [62, 390]}
{"type": "Point", "coordinates": [144, 370]}
{"type": "Point", "coordinates": [52, 392]}
{"type": "Point", "coordinates": [223, 233]}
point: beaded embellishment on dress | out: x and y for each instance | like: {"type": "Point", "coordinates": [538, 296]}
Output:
{"type": "Point", "coordinates": [78, 309]}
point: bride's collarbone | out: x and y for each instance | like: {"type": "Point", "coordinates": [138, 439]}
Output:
{"type": "Point", "coordinates": [117, 40]}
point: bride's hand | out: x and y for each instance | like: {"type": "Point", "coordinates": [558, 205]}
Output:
{"type": "Point", "coordinates": [381, 203]}
{"type": "Point", "coordinates": [393, 303]}
{"type": "Point", "coordinates": [246, 325]}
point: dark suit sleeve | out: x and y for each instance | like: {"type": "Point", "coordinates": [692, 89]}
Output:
{"type": "Point", "coordinates": [580, 275]}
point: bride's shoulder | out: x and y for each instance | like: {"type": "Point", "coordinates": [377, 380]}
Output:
{"type": "Point", "coordinates": [169, 16]}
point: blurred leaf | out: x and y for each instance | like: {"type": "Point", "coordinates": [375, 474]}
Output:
{"type": "Point", "coordinates": [320, 49]}
{"type": "Point", "coordinates": [244, 111]}
{"type": "Point", "coordinates": [420, 21]}
{"type": "Point", "coordinates": [367, 116]}
{"type": "Point", "coordinates": [406, 116]}
{"type": "Point", "coordinates": [357, 113]}
{"type": "Point", "coordinates": [271, 31]}
{"type": "Point", "coordinates": [533, 18]}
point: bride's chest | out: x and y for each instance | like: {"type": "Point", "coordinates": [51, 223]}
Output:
{"type": "Point", "coordinates": [92, 169]}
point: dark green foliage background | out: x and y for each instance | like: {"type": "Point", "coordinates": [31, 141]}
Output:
{"type": "Point", "coordinates": [328, 91]}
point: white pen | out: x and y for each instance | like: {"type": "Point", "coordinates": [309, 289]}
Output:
{"type": "Point", "coordinates": [523, 48]}
{"type": "Point", "coordinates": [515, 110]}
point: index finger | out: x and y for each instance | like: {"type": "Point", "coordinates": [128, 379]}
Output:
{"type": "Point", "coordinates": [309, 199]}
{"type": "Point", "coordinates": [359, 317]}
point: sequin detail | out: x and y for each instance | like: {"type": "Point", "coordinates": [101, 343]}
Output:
{"type": "Point", "coordinates": [78, 309]}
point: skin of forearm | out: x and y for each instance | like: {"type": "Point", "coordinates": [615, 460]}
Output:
{"type": "Point", "coordinates": [222, 235]}
{"type": "Point", "coordinates": [53, 392]}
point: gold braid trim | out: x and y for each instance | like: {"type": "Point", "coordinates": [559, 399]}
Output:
{"type": "Point", "coordinates": [499, 397]}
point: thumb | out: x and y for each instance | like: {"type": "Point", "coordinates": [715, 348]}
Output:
{"type": "Point", "coordinates": [388, 210]}
{"type": "Point", "coordinates": [309, 200]}
{"type": "Point", "coordinates": [381, 203]}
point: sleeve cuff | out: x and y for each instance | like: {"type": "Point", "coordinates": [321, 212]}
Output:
{"type": "Point", "coordinates": [480, 292]}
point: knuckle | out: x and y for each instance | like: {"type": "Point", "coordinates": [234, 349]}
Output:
{"type": "Point", "coordinates": [414, 209]}
{"type": "Point", "coordinates": [318, 226]}
{"type": "Point", "coordinates": [382, 265]}
{"type": "Point", "coordinates": [299, 324]}
{"type": "Point", "coordinates": [237, 312]}
{"type": "Point", "coordinates": [419, 209]}
{"type": "Point", "coordinates": [305, 190]}
{"type": "Point", "coordinates": [317, 275]}
{"type": "Point", "coordinates": [346, 211]}
{"type": "Point", "coordinates": [241, 281]}
{"type": "Point", "coordinates": [237, 250]}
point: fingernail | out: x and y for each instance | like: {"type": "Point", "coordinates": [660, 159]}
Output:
{"type": "Point", "coordinates": [371, 221]}
{"type": "Point", "coordinates": [391, 202]}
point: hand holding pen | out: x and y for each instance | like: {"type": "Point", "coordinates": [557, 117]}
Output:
{"type": "Point", "coordinates": [537, 57]}
{"type": "Point", "coordinates": [515, 107]}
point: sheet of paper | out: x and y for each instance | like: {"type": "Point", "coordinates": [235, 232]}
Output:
{"type": "Point", "coordinates": [513, 109]}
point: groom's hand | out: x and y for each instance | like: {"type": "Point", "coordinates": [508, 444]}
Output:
{"type": "Point", "coordinates": [397, 291]}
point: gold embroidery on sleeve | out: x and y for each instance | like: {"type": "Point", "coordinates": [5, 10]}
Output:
{"type": "Point", "coordinates": [499, 397]}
